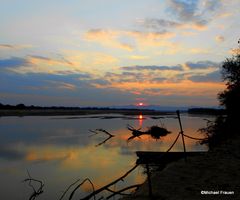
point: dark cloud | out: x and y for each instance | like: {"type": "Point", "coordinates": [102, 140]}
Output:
{"type": "Point", "coordinates": [158, 79]}
{"type": "Point", "coordinates": [211, 77]}
{"type": "Point", "coordinates": [60, 58]}
{"type": "Point", "coordinates": [99, 81]}
{"type": "Point", "coordinates": [152, 68]}
{"type": "Point", "coordinates": [185, 10]}
{"type": "Point", "coordinates": [16, 62]}
{"type": "Point", "coordinates": [160, 24]}
{"type": "Point", "coordinates": [195, 11]}
{"type": "Point", "coordinates": [40, 57]}
{"type": "Point", "coordinates": [7, 46]}
{"type": "Point", "coordinates": [125, 77]}
{"type": "Point", "coordinates": [202, 65]}
{"type": "Point", "coordinates": [13, 62]}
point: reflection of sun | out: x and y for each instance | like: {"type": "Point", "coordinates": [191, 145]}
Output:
{"type": "Point", "coordinates": [140, 119]}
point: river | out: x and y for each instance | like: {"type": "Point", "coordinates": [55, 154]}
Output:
{"type": "Point", "coordinates": [59, 150]}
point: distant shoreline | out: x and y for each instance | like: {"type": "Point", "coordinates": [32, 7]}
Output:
{"type": "Point", "coordinates": [22, 110]}
{"type": "Point", "coordinates": [64, 112]}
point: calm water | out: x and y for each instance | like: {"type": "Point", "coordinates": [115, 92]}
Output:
{"type": "Point", "coordinates": [59, 150]}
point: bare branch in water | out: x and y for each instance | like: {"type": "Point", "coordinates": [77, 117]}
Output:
{"type": "Point", "coordinates": [97, 131]}
{"type": "Point", "coordinates": [104, 131]}
{"type": "Point", "coordinates": [99, 144]}
{"type": "Point", "coordinates": [36, 192]}
{"type": "Point", "coordinates": [154, 131]}
{"type": "Point", "coordinates": [122, 190]}
{"type": "Point", "coordinates": [79, 185]}
{"type": "Point", "coordinates": [108, 185]}
{"type": "Point", "coordinates": [68, 189]}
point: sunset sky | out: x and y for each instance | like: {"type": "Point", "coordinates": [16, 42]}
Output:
{"type": "Point", "coordinates": [112, 52]}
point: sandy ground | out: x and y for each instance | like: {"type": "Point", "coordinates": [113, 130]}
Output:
{"type": "Point", "coordinates": [218, 171]}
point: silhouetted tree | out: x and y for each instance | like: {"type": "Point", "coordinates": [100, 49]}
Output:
{"type": "Point", "coordinates": [230, 97]}
{"type": "Point", "coordinates": [20, 106]}
{"type": "Point", "coordinates": [227, 126]}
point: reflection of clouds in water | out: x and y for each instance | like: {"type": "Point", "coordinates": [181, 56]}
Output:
{"type": "Point", "coordinates": [72, 133]}
{"type": "Point", "coordinates": [61, 150]}
{"type": "Point", "coordinates": [11, 153]}
{"type": "Point", "coordinates": [89, 161]}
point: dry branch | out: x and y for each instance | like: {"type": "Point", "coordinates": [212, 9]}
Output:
{"type": "Point", "coordinates": [79, 185]}
{"type": "Point", "coordinates": [110, 184]}
{"type": "Point", "coordinates": [122, 190]}
{"type": "Point", "coordinates": [68, 189]}
{"type": "Point", "coordinates": [36, 192]}
{"type": "Point", "coordinates": [154, 131]}
{"type": "Point", "coordinates": [97, 131]}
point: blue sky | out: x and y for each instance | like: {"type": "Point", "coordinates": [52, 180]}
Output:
{"type": "Point", "coordinates": [100, 53]}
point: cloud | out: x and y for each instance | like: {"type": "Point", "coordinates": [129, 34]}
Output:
{"type": "Point", "coordinates": [196, 12]}
{"type": "Point", "coordinates": [167, 88]}
{"type": "Point", "coordinates": [198, 51]}
{"type": "Point", "coordinates": [74, 62]}
{"type": "Point", "coordinates": [14, 62]}
{"type": "Point", "coordinates": [132, 39]}
{"type": "Point", "coordinates": [190, 78]}
{"type": "Point", "coordinates": [34, 64]}
{"type": "Point", "coordinates": [61, 85]}
{"type": "Point", "coordinates": [138, 57]}
{"type": "Point", "coordinates": [10, 46]}
{"type": "Point", "coordinates": [152, 68]}
{"type": "Point", "coordinates": [90, 61]}
{"type": "Point", "coordinates": [219, 38]}
{"type": "Point", "coordinates": [210, 77]}
{"type": "Point", "coordinates": [202, 65]}
{"type": "Point", "coordinates": [109, 38]}
{"type": "Point", "coordinates": [159, 24]}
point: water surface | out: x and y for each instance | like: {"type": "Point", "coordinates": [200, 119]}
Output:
{"type": "Point", "coordinates": [59, 150]}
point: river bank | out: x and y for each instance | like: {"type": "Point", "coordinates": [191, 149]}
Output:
{"type": "Point", "coordinates": [212, 176]}
{"type": "Point", "coordinates": [64, 112]}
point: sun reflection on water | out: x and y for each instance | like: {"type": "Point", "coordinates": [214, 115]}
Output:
{"type": "Point", "coordinates": [140, 119]}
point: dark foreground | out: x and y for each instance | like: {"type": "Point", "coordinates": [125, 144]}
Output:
{"type": "Point", "coordinates": [215, 175]}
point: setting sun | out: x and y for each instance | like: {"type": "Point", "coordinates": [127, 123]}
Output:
{"type": "Point", "coordinates": [140, 104]}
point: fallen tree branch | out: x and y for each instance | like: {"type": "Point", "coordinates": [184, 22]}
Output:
{"type": "Point", "coordinates": [110, 184]}
{"type": "Point", "coordinates": [79, 185]}
{"type": "Point", "coordinates": [36, 192]}
{"type": "Point", "coordinates": [97, 131]}
{"type": "Point", "coordinates": [122, 190]}
{"type": "Point", "coordinates": [68, 189]}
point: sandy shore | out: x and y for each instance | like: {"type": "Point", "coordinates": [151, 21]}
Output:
{"type": "Point", "coordinates": [217, 172]}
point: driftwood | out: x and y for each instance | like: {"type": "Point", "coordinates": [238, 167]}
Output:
{"type": "Point", "coordinates": [154, 131]}
{"type": "Point", "coordinates": [122, 190]}
{"type": "Point", "coordinates": [79, 185]}
{"type": "Point", "coordinates": [97, 131]}
{"type": "Point", "coordinates": [64, 193]}
{"type": "Point", "coordinates": [36, 192]}
{"type": "Point", "coordinates": [106, 187]}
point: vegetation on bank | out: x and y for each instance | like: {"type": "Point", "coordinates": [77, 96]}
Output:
{"type": "Point", "coordinates": [22, 110]}
{"type": "Point", "coordinates": [226, 126]}
{"type": "Point", "coordinates": [32, 107]}
{"type": "Point", "coordinates": [206, 111]}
